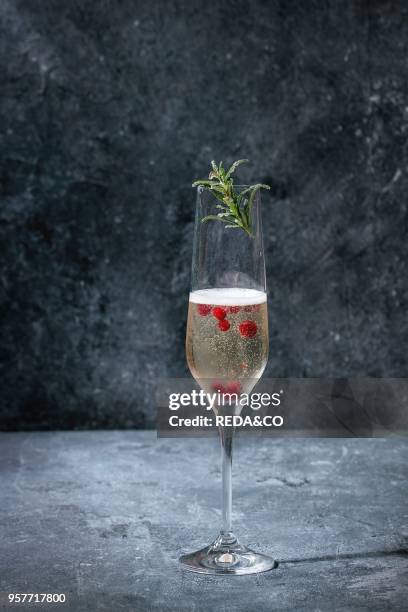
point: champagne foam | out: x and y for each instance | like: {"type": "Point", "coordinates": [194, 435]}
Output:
{"type": "Point", "coordinates": [231, 296]}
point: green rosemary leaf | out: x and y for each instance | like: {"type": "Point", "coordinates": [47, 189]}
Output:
{"type": "Point", "coordinates": [217, 187]}
{"type": "Point", "coordinates": [254, 190]}
{"type": "Point", "coordinates": [213, 218]}
{"type": "Point", "coordinates": [244, 192]}
{"type": "Point", "coordinates": [235, 166]}
{"type": "Point", "coordinates": [260, 186]}
{"type": "Point", "coordinates": [203, 183]}
{"type": "Point", "coordinates": [245, 218]}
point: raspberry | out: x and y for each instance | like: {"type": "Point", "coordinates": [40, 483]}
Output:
{"type": "Point", "coordinates": [252, 308]}
{"type": "Point", "coordinates": [218, 387]}
{"type": "Point", "coordinates": [203, 309]}
{"type": "Point", "coordinates": [234, 387]}
{"type": "Point", "coordinates": [224, 325]}
{"type": "Point", "coordinates": [219, 313]}
{"type": "Point", "coordinates": [248, 329]}
{"type": "Point", "coordinates": [234, 309]}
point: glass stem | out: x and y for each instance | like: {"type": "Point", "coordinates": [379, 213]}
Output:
{"type": "Point", "coordinates": [226, 436]}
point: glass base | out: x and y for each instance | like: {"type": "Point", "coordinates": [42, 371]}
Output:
{"type": "Point", "coordinates": [227, 556]}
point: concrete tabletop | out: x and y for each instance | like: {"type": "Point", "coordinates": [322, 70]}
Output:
{"type": "Point", "coordinates": [103, 517]}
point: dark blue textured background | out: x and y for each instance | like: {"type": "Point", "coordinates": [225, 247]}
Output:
{"type": "Point", "coordinates": [108, 110]}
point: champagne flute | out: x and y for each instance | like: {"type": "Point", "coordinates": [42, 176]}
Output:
{"type": "Point", "coordinates": [227, 350]}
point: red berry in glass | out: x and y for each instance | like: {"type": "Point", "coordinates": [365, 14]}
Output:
{"type": "Point", "coordinates": [234, 309]}
{"type": "Point", "coordinates": [248, 329]}
{"type": "Point", "coordinates": [203, 309]}
{"type": "Point", "coordinates": [219, 312]}
{"type": "Point", "coordinates": [224, 325]}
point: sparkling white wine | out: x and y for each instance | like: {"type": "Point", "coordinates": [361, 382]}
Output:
{"type": "Point", "coordinates": [227, 338]}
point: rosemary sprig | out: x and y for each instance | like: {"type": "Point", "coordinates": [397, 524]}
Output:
{"type": "Point", "coordinates": [235, 207]}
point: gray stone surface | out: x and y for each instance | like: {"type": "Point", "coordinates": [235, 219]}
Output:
{"type": "Point", "coordinates": [103, 516]}
{"type": "Point", "coordinates": [109, 109]}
